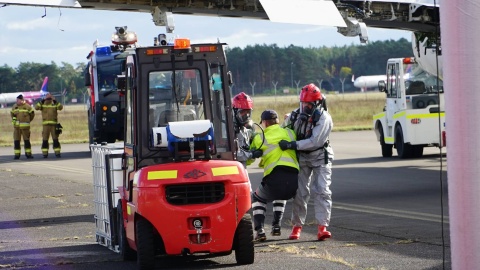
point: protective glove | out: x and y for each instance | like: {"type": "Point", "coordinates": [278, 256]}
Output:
{"type": "Point", "coordinates": [257, 153]}
{"type": "Point", "coordinates": [284, 145]}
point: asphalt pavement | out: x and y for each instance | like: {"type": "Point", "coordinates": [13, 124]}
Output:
{"type": "Point", "coordinates": [386, 215]}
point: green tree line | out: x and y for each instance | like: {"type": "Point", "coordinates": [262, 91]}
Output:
{"type": "Point", "coordinates": [259, 68]}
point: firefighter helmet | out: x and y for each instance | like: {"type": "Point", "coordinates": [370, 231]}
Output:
{"type": "Point", "coordinates": [242, 109]}
{"type": "Point", "coordinates": [311, 93]}
{"type": "Point", "coordinates": [242, 101]}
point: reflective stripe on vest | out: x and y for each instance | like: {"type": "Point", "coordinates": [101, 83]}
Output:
{"type": "Point", "coordinates": [49, 122]}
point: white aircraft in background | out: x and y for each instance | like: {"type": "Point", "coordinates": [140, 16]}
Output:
{"type": "Point", "coordinates": [364, 82]}
{"type": "Point", "coordinates": [29, 97]}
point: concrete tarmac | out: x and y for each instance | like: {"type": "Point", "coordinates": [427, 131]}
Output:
{"type": "Point", "coordinates": [387, 215]}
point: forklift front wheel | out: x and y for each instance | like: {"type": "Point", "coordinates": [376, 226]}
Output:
{"type": "Point", "coordinates": [244, 246]}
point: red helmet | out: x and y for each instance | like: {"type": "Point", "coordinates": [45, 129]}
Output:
{"type": "Point", "coordinates": [310, 93]}
{"type": "Point", "coordinates": [242, 101]}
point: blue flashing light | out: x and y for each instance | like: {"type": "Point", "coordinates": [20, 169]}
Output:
{"type": "Point", "coordinates": [103, 51]}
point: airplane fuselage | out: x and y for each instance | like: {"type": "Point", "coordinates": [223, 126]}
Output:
{"type": "Point", "coordinates": [368, 81]}
{"type": "Point", "coordinates": [29, 97]}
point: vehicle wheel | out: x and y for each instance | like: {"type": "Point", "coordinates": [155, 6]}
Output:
{"type": "Point", "coordinates": [387, 149]}
{"type": "Point", "coordinates": [126, 253]}
{"type": "Point", "coordinates": [417, 151]}
{"type": "Point", "coordinates": [243, 241]}
{"type": "Point", "coordinates": [404, 150]}
{"type": "Point", "coordinates": [145, 245]}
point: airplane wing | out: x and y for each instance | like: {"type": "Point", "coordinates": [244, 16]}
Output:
{"type": "Point", "coordinates": [413, 15]}
{"type": "Point", "coordinates": [52, 3]}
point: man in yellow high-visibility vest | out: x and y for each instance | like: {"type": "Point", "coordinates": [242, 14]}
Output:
{"type": "Point", "coordinates": [280, 177]}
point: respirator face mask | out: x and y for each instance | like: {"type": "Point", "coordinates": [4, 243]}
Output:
{"type": "Point", "coordinates": [306, 108]}
{"type": "Point", "coordinates": [244, 116]}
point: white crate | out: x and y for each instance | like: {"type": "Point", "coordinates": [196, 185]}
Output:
{"type": "Point", "coordinates": [106, 179]}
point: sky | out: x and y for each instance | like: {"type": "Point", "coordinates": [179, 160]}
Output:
{"type": "Point", "coordinates": [67, 35]}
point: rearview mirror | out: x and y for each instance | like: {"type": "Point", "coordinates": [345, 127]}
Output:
{"type": "Point", "coordinates": [86, 76]}
{"type": "Point", "coordinates": [230, 78]}
{"type": "Point", "coordinates": [381, 86]}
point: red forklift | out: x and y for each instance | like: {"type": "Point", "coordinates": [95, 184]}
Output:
{"type": "Point", "coordinates": [173, 187]}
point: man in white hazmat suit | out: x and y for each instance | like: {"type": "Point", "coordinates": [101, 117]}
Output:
{"type": "Point", "coordinates": [312, 125]}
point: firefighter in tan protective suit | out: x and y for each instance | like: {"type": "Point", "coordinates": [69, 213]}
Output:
{"type": "Point", "coordinates": [49, 107]}
{"type": "Point", "coordinates": [22, 114]}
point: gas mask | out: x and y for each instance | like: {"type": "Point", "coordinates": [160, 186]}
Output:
{"type": "Point", "coordinates": [243, 116]}
{"type": "Point", "coordinates": [307, 108]}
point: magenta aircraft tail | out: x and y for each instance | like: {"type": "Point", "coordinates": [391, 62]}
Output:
{"type": "Point", "coordinates": [44, 88]}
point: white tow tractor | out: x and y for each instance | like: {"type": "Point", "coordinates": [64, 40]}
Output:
{"type": "Point", "coordinates": [414, 112]}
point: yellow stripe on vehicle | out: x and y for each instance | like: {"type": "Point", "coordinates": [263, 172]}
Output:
{"type": "Point", "coordinates": [225, 170]}
{"type": "Point", "coordinates": [161, 175]}
{"type": "Point", "coordinates": [398, 115]}
{"type": "Point", "coordinates": [378, 116]}
{"type": "Point", "coordinates": [425, 115]}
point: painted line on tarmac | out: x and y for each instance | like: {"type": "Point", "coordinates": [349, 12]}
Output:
{"type": "Point", "coordinates": [49, 165]}
{"type": "Point", "coordinates": [391, 212]}
{"type": "Point", "coordinates": [61, 168]}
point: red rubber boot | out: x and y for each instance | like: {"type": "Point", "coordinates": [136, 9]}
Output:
{"type": "Point", "coordinates": [323, 233]}
{"type": "Point", "coordinates": [295, 233]}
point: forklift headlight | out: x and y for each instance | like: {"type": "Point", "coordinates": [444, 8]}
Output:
{"type": "Point", "coordinates": [197, 223]}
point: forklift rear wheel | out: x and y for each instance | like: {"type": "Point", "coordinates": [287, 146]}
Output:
{"type": "Point", "coordinates": [127, 253]}
{"type": "Point", "coordinates": [244, 247]}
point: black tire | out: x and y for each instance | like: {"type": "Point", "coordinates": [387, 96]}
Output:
{"type": "Point", "coordinates": [126, 253]}
{"type": "Point", "coordinates": [145, 245]}
{"type": "Point", "coordinates": [404, 150]}
{"type": "Point", "coordinates": [243, 241]}
{"type": "Point", "coordinates": [387, 149]}
{"type": "Point", "coordinates": [418, 151]}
